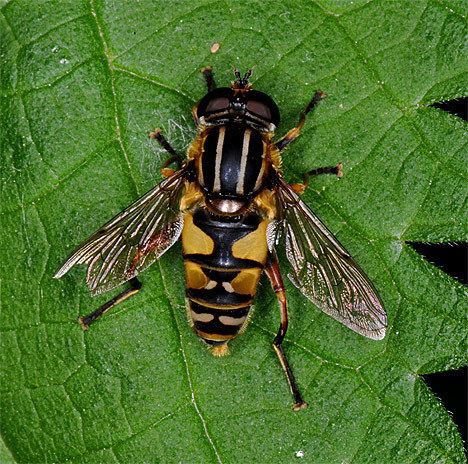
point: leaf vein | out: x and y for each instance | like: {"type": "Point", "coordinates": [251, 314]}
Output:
{"type": "Point", "coordinates": [188, 375]}
{"type": "Point", "coordinates": [151, 80]}
{"type": "Point", "coordinates": [61, 181]}
{"type": "Point", "coordinates": [431, 438]}
{"type": "Point", "coordinates": [171, 21]}
{"type": "Point", "coordinates": [40, 36]}
{"type": "Point", "coordinates": [372, 72]}
{"type": "Point", "coordinates": [108, 59]}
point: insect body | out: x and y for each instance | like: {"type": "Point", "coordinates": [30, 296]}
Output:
{"type": "Point", "coordinates": [230, 205]}
{"type": "Point", "coordinates": [222, 270]}
{"type": "Point", "coordinates": [225, 239]}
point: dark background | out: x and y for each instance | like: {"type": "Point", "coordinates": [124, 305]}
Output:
{"type": "Point", "coordinates": [451, 387]}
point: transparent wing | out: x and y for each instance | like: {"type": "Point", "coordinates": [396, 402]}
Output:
{"type": "Point", "coordinates": [133, 239]}
{"type": "Point", "coordinates": [324, 271]}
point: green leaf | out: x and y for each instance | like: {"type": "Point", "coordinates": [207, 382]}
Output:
{"type": "Point", "coordinates": [82, 85]}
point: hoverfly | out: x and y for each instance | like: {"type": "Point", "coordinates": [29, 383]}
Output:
{"type": "Point", "coordinates": [230, 205]}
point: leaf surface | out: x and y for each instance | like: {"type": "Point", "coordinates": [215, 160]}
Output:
{"type": "Point", "coordinates": [82, 85]}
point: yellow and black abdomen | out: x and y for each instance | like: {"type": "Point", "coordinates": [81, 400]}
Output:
{"type": "Point", "coordinates": [224, 258]}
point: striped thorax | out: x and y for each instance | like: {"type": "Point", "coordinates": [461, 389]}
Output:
{"type": "Point", "coordinates": [231, 166]}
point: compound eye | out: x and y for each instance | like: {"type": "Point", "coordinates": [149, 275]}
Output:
{"type": "Point", "coordinates": [217, 104]}
{"type": "Point", "coordinates": [260, 109]}
{"type": "Point", "coordinates": [262, 105]}
{"type": "Point", "coordinates": [214, 102]}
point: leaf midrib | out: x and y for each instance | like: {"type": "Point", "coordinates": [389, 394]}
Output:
{"type": "Point", "coordinates": [118, 132]}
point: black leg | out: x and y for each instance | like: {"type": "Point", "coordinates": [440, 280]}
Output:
{"type": "Point", "coordinates": [209, 79]}
{"type": "Point", "coordinates": [273, 272]}
{"type": "Point", "coordinates": [175, 157]}
{"type": "Point", "coordinates": [337, 170]}
{"type": "Point", "coordinates": [327, 170]}
{"type": "Point", "coordinates": [300, 188]}
{"type": "Point", "coordinates": [295, 131]}
{"type": "Point", "coordinates": [85, 321]}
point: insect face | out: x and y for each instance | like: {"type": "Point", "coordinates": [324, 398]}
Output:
{"type": "Point", "coordinates": [240, 105]}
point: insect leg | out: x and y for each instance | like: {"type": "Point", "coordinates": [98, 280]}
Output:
{"type": "Point", "coordinates": [85, 321]}
{"type": "Point", "coordinates": [175, 157]}
{"type": "Point", "coordinates": [209, 79]}
{"type": "Point", "coordinates": [282, 143]}
{"type": "Point", "coordinates": [273, 272]}
{"type": "Point", "coordinates": [337, 170]}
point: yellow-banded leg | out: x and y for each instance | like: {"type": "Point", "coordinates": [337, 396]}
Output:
{"type": "Point", "coordinates": [85, 321]}
{"type": "Point", "coordinates": [282, 143]}
{"type": "Point", "coordinates": [337, 170]}
{"type": "Point", "coordinates": [274, 274]}
{"type": "Point", "coordinates": [292, 135]}
{"type": "Point", "coordinates": [175, 157]}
